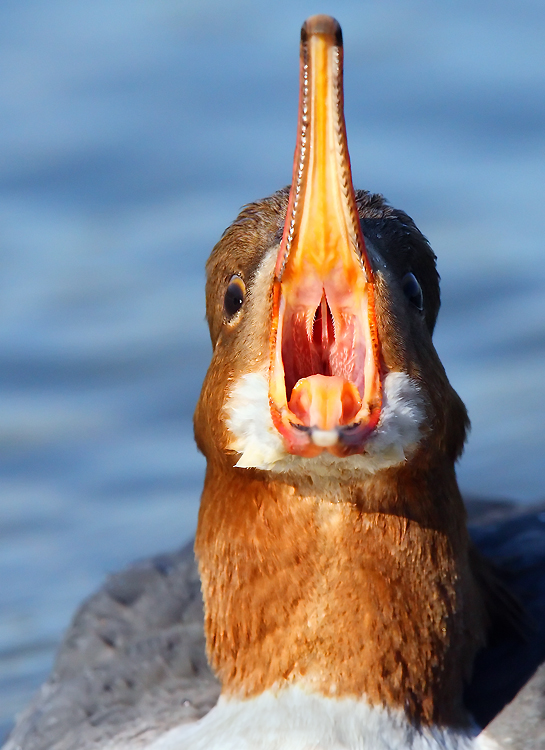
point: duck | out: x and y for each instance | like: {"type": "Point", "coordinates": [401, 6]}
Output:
{"type": "Point", "coordinates": [344, 602]}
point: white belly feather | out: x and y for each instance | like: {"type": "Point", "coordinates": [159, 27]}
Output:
{"type": "Point", "coordinates": [295, 720]}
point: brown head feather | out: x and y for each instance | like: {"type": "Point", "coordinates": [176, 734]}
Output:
{"type": "Point", "coordinates": [366, 591]}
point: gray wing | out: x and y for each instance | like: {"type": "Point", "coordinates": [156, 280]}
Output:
{"type": "Point", "coordinates": [131, 665]}
{"type": "Point", "coordinates": [506, 689]}
{"type": "Point", "coordinates": [521, 724]}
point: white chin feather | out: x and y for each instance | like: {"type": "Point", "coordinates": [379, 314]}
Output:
{"type": "Point", "coordinates": [261, 446]}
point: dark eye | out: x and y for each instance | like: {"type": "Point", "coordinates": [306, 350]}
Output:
{"type": "Point", "coordinates": [413, 290]}
{"type": "Point", "coordinates": [234, 297]}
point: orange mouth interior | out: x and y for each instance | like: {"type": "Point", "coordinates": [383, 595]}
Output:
{"type": "Point", "coordinates": [325, 387]}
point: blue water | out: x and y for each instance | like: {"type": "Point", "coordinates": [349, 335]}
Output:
{"type": "Point", "coordinates": [131, 131]}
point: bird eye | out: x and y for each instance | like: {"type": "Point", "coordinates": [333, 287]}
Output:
{"type": "Point", "coordinates": [413, 290]}
{"type": "Point", "coordinates": [234, 297]}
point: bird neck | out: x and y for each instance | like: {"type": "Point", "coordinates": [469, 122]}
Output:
{"type": "Point", "coordinates": [365, 594]}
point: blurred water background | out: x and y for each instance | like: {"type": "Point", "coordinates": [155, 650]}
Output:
{"type": "Point", "coordinates": [131, 131]}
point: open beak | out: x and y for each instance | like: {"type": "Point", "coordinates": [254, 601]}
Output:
{"type": "Point", "coordinates": [325, 385]}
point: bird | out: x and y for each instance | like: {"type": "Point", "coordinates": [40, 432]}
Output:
{"type": "Point", "coordinates": [344, 602]}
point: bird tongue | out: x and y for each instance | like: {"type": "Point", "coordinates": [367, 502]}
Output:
{"type": "Point", "coordinates": [325, 402]}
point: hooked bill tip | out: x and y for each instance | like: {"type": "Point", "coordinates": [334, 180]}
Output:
{"type": "Point", "coordinates": [322, 24]}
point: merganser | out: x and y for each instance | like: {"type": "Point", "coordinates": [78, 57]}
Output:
{"type": "Point", "coordinates": [344, 603]}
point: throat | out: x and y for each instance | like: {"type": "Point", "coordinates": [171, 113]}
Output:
{"type": "Point", "coordinates": [345, 597]}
